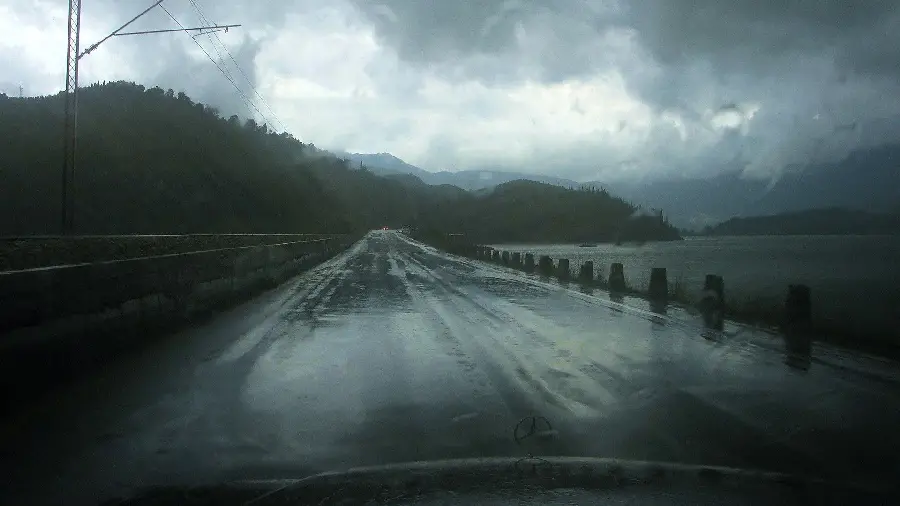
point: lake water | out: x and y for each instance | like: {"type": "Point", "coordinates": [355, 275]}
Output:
{"type": "Point", "coordinates": [855, 280]}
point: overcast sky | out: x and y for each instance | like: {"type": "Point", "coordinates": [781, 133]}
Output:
{"type": "Point", "coordinates": [589, 90]}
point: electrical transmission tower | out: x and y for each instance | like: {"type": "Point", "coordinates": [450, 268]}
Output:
{"type": "Point", "coordinates": [70, 135]}
{"type": "Point", "coordinates": [73, 56]}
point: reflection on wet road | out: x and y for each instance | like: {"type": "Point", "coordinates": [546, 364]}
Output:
{"type": "Point", "coordinates": [395, 352]}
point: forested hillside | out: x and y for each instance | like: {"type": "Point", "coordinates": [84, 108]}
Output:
{"type": "Point", "coordinates": [153, 161]}
{"type": "Point", "coordinates": [526, 211]}
{"type": "Point", "coordinates": [832, 221]}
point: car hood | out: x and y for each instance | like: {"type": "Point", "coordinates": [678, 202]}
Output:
{"type": "Point", "coordinates": [527, 480]}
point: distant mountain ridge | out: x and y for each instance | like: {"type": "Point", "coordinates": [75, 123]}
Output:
{"type": "Point", "coordinates": [830, 221]}
{"type": "Point", "coordinates": [154, 161]}
{"type": "Point", "coordinates": [472, 180]}
{"type": "Point", "coordinates": [867, 180]}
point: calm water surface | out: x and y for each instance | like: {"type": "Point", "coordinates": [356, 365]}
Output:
{"type": "Point", "coordinates": [855, 280]}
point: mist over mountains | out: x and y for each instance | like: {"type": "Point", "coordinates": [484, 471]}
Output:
{"type": "Point", "coordinates": [155, 161]}
{"type": "Point", "coordinates": [472, 180]}
{"type": "Point", "coordinates": [866, 180]}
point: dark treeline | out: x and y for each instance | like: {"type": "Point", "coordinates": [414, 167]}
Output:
{"type": "Point", "coordinates": [528, 211]}
{"type": "Point", "coordinates": [832, 221]}
{"type": "Point", "coordinates": [153, 161]}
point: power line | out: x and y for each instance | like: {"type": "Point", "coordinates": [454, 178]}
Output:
{"type": "Point", "coordinates": [236, 64]}
{"type": "Point", "coordinates": [224, 73]}
{"type": "Point", "coordinates": [199, 29]}
{"type": "Point", "coordinates": [241, 70]}
{"type": "Point", "coordinates": [218, 53]}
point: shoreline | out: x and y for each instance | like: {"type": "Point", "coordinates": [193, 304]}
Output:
{"type": "Point", "coordinates": [765, 313]}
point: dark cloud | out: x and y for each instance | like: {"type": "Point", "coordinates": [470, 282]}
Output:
{"type": "Point", "coordinates": [252, 14]}
{"type": "Point", "coordinates": [434, 30]}
{"type": "Point", "coordinates": [760, 84]}
{"type": "Point", "coordinates": [741, 33]}
{"type": "Point", "coordinates": [732, 34]}
{"type": "Point", "coordinates": [496, 41]}
{"type": "Point", "coordinates": [808, 66]}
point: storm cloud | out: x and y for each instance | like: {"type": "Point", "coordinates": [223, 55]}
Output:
{"type": "Point", "coordinates": [581, 89]}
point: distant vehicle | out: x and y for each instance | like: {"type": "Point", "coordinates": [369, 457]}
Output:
{"type": "Point", "coordinates": [384, 228]}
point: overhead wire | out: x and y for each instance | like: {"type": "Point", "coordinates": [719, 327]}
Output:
{"type": "Point", "coordinates": [205, 21]}
{"type": "Point", "coordinates": [224, 73]}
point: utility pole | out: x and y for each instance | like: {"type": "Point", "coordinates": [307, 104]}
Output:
{"type": "Point", "coordinates": [70, 134]}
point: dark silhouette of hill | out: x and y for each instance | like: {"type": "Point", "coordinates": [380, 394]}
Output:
{"type": "Point", "coordinates": [153, 161]}
{"type": "Point", "coordinates": [472, 180]}
{"type": "Point", "coordinates": [867, 179]}
{"type": "Point", "coordinates": [831, 221]}
{"type": "Point", "coordinates": [528, 211]}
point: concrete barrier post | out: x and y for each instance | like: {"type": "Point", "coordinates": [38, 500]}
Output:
{"type": "Point", "coordinates": [659, 286]}
{"type": "Point", "coordinates": [529, 262]}
{"type": "Point", "coordinates": [617, 277]}
{"type": "Point", "coordinates": [545, 265]}
{"type": "Point", "coordinates": [517, 259]}
{"type": "Point", "coordinates": [495, 256]}
{"type": "Point", "coordinates": [563, 269]}
{"type": "Point", "coordinates": [798, 325]}
{"type": "Point", "coordinates": [798, 306]}
{"type": "Point", "coordinates": [269, 267]}
{"type": "Point", "coordinates": [712, 302]}
{"type": "Point", "coordinates": [505, 257]}
{"type": "Point", "coordinates": [714, 285]}
{"type": "Point", "coordinates": [586, 274]}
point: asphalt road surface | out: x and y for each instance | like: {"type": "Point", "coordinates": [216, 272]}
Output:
{"type": "Point", "coordinates": [395, 352]}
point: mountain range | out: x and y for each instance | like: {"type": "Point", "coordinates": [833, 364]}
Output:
{"type": "Point", "coordinates": [831, 221]}
{"type": "Point", "coordinates": [866, 180]}
{"type": "Point", "coordinates": [473, 180]}
{"type": "Point", "coordinates": [154, 161]}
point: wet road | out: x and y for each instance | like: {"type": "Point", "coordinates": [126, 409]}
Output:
{"type": "Point", "coordinates": [395, 352]}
